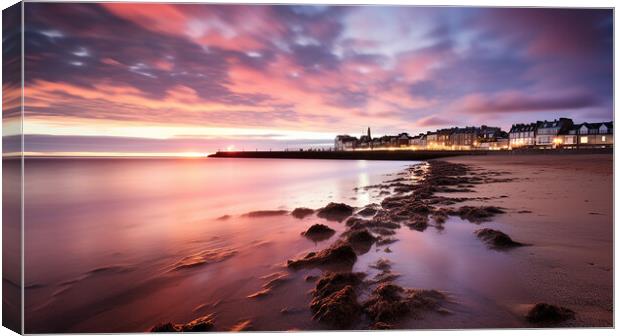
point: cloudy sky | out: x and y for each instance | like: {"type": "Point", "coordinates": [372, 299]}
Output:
{"type": "Point", "coordinates": [196, 78]}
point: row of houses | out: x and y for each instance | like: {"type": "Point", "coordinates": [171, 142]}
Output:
{"type": "Point", "coordinates": [562, 133]}
{"type": "Point", "coordinates": [559, 133]}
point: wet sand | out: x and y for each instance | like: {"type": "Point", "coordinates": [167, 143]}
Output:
{"type": "Point", "coordinates": [563, 206]}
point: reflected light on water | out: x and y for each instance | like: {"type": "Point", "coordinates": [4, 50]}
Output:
{"type": "Point", "coordinates": [363, 181]}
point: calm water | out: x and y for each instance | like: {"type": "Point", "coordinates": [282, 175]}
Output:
{"type": "Point", "coordinates": [104, 239]}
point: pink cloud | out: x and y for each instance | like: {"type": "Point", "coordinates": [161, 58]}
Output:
{"type": "Point", "coordinates": [514, 101]}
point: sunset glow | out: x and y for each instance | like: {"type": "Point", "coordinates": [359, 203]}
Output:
{"type": "Point", "coordinates": [295, 76]}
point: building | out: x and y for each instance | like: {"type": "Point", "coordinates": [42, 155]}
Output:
{"type": "Point", "coordinates": [547, 132]}
{"type": "Point", "coordinates": [418, 141]}
{"type": "Point", "coordinates": [443, 138]}
{"type": "Point", "coordinates": [463, 138]}
{"type": "Point", "coordinates": [522, 135]}
{"type": "Point", "coordinates": [431, 140]}
{"type": "Point", "coordinates": [366, 140]}
{"type": "Point", "coordinates": [402, 140]}
{"type": "Point", "coordinates": [345, 142]}
{"type": "Point", "coordinates": [593, 135]}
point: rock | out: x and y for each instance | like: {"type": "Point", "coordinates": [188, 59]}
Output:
{"type": "Point", "coordinates": [318, 232]}
{"type": "Point", "coordinates": [335, 211]}
{"type": "Point", "coordinates": [340, 253]}
{"type": "Point", "coordinates": [334, 300]}
{"type": "Point", "coordinates": [478, 214]}
{"type": "Point", "coordinates": [302, 213]}
{"type": "Point", "coordinates": [386, 304]}
{"type": "Point", "coordinates": [496, 239]}
{"type": "Point", "coordinates": [265, 213]}
{"type": "Point", "coordinates": [200, 324]}
{"type": "Point", "coordinates": [546, 313]}
{"type": "Point", "coordinates": [242, 326]}
{"type": "Point", "coordinates": [261, 293]}
{"type": "Point", "coordinates": [440, 216]}
{"type": "Point", "coordinates": [390, 303]}
{"type": "Point", "coordinates": [360, 240]}
{"type": "Point", "coordinates": [417, 222]}
{"type": "Point", "coordinates": [368, 211]}
{"type": "Point", "coordinates": [386, 241]}
{"type": "Point", "coordinates": [340, 309]}
{"type": "Point", "coordinates": [361, 237]}
{"type": "Point", "coordinates": [166, 327]}
{"type": "Point", "coordinates": [382, 265]}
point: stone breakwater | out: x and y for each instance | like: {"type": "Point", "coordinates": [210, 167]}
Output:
{"type": "Point", "coordinates": [417, 198]}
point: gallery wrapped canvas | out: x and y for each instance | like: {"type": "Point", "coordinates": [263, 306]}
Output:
{"type": "Point", "coordinates": [175, 167]}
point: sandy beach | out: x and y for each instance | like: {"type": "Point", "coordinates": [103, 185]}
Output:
{"type": "Point", "coordinates": [563, 206]}
{"type": "Point", "coordinates": [356, 245]}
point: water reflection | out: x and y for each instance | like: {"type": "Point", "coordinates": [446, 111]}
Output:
{"type": "Point", "coordinates": [103, 235]}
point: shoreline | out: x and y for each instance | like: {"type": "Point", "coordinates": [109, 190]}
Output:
{"type": "Point", "coordinates": [400, 155]}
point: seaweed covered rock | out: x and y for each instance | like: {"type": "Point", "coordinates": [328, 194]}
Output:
{"type": "Point", "coordinates": [386, 304]}
{"type": "Point", "coordinates": [318, 232]}
{"type": "Point", "coordinates": [546, 313]}
{"type": "Point", "coordinates": [496, 239]}
{"type": "Point", "coordinates": [417, 222]}
{"type": "Point", "coordinates": [361, 240]}
{"type": "Point", "coordinates": [334, 300]}
{"type": "Point", "coordinates": [201, 324]}
{"type": "Point", "coordinates": [338, 254]}
{"type": "Point", "coordinates": [369, 211]}
{"type": "Point", "coordinates": [335, 211]}
{"type": "Point", "coordinates": [478, 214]}
{"type": "Point", "coordinates": [339, 309]}
{"type": "Point", "coordinates": [390, 303]}
{"type": "Point", "coordinates": [302, 213]}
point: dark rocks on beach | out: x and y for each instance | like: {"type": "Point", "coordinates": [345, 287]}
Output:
{"type": "Point", "coordinates": [389, 303]}
{"type": "Point", "coordinates": [335, 211]}
{"type": "Point", "coordinates": [440, 216]}
{"type": "Point", "coordinates": [362, 237]}
{"type": "Point", "coordinates": [369, 210]}
{"type": "Point", "coordinates": [360, 240]}
{"type": "Point", "coordinates": [200, 324]}
{"type": "Point", "coordinates": [546, 313]}
{"type": "Point", "coordinates": [302, 213]}
{"type": "Point", "coordinates": [334, 300]}
{"type": "Point", "coordinates": [339, 254]}
{"type": "Point", "coordinates": [380, 220]}
{"type": "Point", "coordinates": [496, 239]}
{"type": "Point", "coordinates": [478, 214]}
{"type": "Point", "coordinates": [417, 222]}
{"type": "Point", "coordinates": [339, 309]}
{"type": "Point", "coordinates": [266, 213]}
{"type": "Point", "coordinates": [386, 241]}
{"type": "Point", "coordinates": [386, 304]}
{"type": "Point", "coordinates": [318, 232]}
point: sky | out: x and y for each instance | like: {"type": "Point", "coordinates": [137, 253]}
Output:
{"type": "Point", "coordinates": [195, 78]}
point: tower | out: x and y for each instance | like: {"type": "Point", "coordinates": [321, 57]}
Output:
{"type": "Point", "coordinates": [369, 133]}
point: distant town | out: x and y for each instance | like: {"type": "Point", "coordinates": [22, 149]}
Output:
{"type": "Point", "coordinates": [559, 133]}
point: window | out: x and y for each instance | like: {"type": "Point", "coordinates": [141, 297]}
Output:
{"type": "Point", "coordinates": [603, 138]}
{"type": "Point", "coordinates": [583, 139]}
